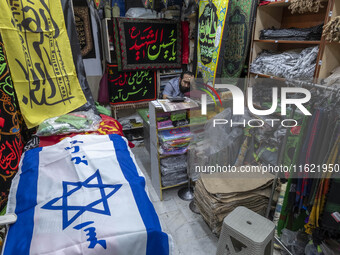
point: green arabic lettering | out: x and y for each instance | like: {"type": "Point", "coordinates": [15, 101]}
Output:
{"type": "Point", "coordinates": [153, 57]}
{"type": "Point", "coordinates": [131, 93]}
{"type": "Point", "coordinates": [173, 51]}
{"type": "Point", "coordinates": [207, 27]}
{"type": "Point", "coordinates": [145, 91]}
{"type": "Point", "coordinates": [211, 25]}
{"type": "Point", "coordinates": [133, 79]}
{"type": "Point", "coordinates": [2, 65]}
{"type": "Point", "coordinates": [202, 33]}
{"type": "Point", "coordinates": [120, 93]}
{"type": "Point", "coordinates": [7, 86]}
{"type": "Point", "coordinates": [141, 76]}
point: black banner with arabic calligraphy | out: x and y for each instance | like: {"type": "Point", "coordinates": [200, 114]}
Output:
{"type": "Point", "coordinates": [131, 87]}
{"type": "Point", "coordinates": [10, 136]}
{"type": "Point", "coordinates": [148, 44]}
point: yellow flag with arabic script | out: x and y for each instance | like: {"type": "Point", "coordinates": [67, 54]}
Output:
{"type": "Point", "coordinates": [40, 59]}
{"type": "Point", "coordinates": [211, 21]}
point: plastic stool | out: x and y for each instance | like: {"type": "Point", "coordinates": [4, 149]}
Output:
{"type": "Point", "coordinates": [246, 232]}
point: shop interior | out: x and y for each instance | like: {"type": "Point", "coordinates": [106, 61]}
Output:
{"type": "Point", "coordinates": [175, 127]}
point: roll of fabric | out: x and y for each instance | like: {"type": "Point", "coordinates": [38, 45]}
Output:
{"type": "Point", "coordinates": [303, 6]}
{"type": "Point", "coordinates": [332, 30]}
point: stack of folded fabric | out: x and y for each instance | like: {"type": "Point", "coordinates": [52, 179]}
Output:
{"type": "Point", "coordinates": [297, 34]}
{"type": "Point", "coordinates": [332, 30]}
{"type": "Point", "coordinates": [216, 195]}
{"type": "Point", "coordinates": [290, 64]}
{"type": "Point", "coordinates": [195, 116]}
{"type": "Point", "coordinates": [179, 118]}
{"type": "Point", "coordinates": [174, 170]}
{"type": "Point", "coordinates": [304, 6]}
{"type": "Point", "coordinates": [163, 120]}
{"type": "Point", "coordinates": [174, 141]}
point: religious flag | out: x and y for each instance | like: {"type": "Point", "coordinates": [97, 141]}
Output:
{"type": "Point", "coordinates": [40, 59]}
{"type": "Point", "coordinates": [211, 21]}
{"type": "Point", "coordinates": [84, 195]}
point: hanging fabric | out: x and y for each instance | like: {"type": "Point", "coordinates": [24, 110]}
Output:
{"type": "Point", "coordinates": [43, 73]}
{"type": "Point", "coordinates": [10, 136]}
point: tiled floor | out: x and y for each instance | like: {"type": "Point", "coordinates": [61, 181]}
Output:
{"type": "Point", "coordinates": [191, 235]}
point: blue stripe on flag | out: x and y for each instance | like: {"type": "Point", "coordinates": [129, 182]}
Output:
{"type": "Point", "coordinates": [157, 242]}
{"type": "Point", "coordinates": [20, 233]}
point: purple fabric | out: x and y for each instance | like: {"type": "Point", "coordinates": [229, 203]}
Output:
{"type": "Point", "coordinates": [103, 93]}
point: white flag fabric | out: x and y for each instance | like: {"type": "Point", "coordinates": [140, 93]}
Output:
{"type": "Point", "coordinates": [84, 195]}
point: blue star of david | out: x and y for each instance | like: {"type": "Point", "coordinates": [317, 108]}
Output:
{"type": "Point", "coordinates": [65, 208]}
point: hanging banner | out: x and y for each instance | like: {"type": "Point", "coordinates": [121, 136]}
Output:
{"type": "Point", "coordinates": [43, 72]}
{"type": "Point", "coordinates": [131, 87]}
{"type": "Point", "coordinates": [211, 20]}
{"type": "Point", "coordinates": [147, 44]}
{"type": "Point", "coordinates": [84, 31]}
{"type": "Point", "coordinates": [10, 136]}
{"type": "Point", "coordinates": [238, 36]}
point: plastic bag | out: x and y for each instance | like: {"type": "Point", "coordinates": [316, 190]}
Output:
{"type": "Point", "coordinates": [294, 241]}
{"type": "Point", "coordinates": [173, 179]}
{"type": "Point", "coordinates": [75, 122]}
{"type": "Point", "coordinates": [173, 164]}
{"type": "Point", "coordinates": [141, 13]}
{"type": "Point", "coordinates": [311, 249]}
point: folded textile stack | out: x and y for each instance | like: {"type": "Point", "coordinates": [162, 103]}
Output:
{"type": "Point", "coordinates": [218, 194]}
{"type": "Point", "coordinates": [75, 122]}
{"type": "Point", "coordinates": [332, 30]}
{"type": "Point", "coordinates": [289, 64]}
{"type": "Point", "coordinates": [174, 170]}
{"type": "Point", "coordinates": [296, 34]}
{"type": "Point", "coordinates": [303, 6]}
{"type": "Point", "coordinates": [174, 179]}
{"type": "Point", "coordinates": [174, 141]}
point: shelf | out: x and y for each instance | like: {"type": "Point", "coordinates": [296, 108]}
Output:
{"type": "Point", "coordinates": [172, 155]}
{"type": "Point", "coordinates": [284, 3]}
{"type": "Point", "coordinates": [132, 128]}
{"type": "Point", "coordinates": [330, 59]}
{"type": "Point", "coordinates": [173, 186]}
{"type": "Point", "coordinates": [268, 76]}
{"type": "Point", "coordinates": [184, 126]}
{"type": "Point", "coordinates": [288, 42]}
{"type": "Point", "coordinates": [162, 74]}
{"type": "Point", "coordinates": [330, 43]}
{"type": "Point", "coordinates": [260, 75]}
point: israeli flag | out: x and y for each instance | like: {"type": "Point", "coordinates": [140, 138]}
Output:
{"type": "Point", "coordinates": [84, 195]}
